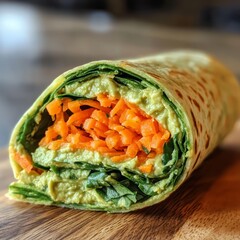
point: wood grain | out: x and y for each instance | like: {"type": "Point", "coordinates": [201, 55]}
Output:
{"type": "Point", "coordinates": [207, 206]}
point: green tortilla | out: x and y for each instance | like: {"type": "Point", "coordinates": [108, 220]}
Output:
{"type": "Point", "coordinates": [190, 93]}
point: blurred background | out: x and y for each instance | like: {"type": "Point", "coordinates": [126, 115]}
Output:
{"type": "Point", "coordinates": [40, 39]}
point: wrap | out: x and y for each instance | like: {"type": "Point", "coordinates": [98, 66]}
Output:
{"type": "Point", "coordinates": [122, 135]}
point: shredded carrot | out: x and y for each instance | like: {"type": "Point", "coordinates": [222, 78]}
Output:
{"type": "Point", "coordinates": [100, 116]}
{"type": "Point", "coordinates": [79, 117]}
{"type": "Point", "coordinates": [113, 127]}
{"type": "Point", "coordinates": [105, 100]}
{"type": "Point", "coordinates": [74, 106]}
{"type": "Point", "coordinates": [146, 168]}
{"type": "Point", "coordinates": [61, 128]}
{"type": "Point", "coordinates": [89, 124]}
{"type": "Point", "coordinates": [93, 104]}
{"type": "Point", "coordinates": [119, 158]}
{"type": "Point", "coordinates": [127, 136]}
{"type": "Point", "coordinates": [148, 127]}
{"type": "Point", "coordinates": [142, 158]}
{"type": "Point", "coordinates": [157, 141]}
{"type": "Point", "coordinates": [54, 107]}
{"type": "Point", "coordinates": [65, 102]}
{"type": "Point", "coordinates": [24, 161]}
{"type": "Point", "coordinates": [50, 134]}
{"type": "Point", "coordinates": [98, 143]}
{"type": "Point", "coordinates": [112, 140]}
{"type": "Point", "coordinates": [132, 150]}
{"type": "Point", "coordinates": [118, 107]}
{"type": "Point", "coordinates": [56, 144]}
{"type": "Point", "coordinates": [146, 143]}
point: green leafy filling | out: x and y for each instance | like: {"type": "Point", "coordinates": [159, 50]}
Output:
{"type": "Point", "coordinates": [29, 193]}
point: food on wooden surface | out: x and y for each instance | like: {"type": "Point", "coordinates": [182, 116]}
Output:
{"type": "Point", "coordinates": [117, 136]}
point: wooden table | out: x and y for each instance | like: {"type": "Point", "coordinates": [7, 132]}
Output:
{"type": "Point", "coordinates": [207, 206]}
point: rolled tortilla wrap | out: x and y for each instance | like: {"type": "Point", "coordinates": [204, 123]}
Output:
{"type": "Point", "coordinates": [118, 136]}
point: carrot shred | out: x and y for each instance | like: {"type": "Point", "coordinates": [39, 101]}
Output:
{"type": "Point", "coordinates": [146, 142]}
{"type": "Point", "coordinates": [126, 115]}
{"type": "Point", "coordinates": [61, 128]}
{"type": "Point", "coordinates": [119, 158]}
{"type": "Point", "coordinates": [100, 116]}
{"type": "Point", "coordinates": [127, 136]}
{"type": "Point", "coordinates": [50, 134]}
{"type": "Point", "coordinates": [74, 106]}
{"type": "Point", "coordinates": [54, 107]}
{"type": "Point", "coordinates": [99, 133]}
{"type": "Point", "coordinates": [89, 124]}
{"type": "Point", "coordinates": [166, 135]}
{"type": "Point", "coordinates": [132, 150]}
{"type": "Point", "coordinates": [148, 127]}
{"type": "Point", "coordinates": [56, 144]}
{"type": "Point", "coordinates": [112, 140]}
{"type": "Point", "coordinates": [98, 143]}
{"type": "Point", "coordinates": [104, 100]}
{"type": "Point", "coordinates": [157, 141]}
{"type": "Point", "coordinates": [24, 161]}
{"type": "Point", "coordinates": [146, 168]}
{"type": "Point", "coordinates": [65, 102]}
{"type": "Point", "coordinates": [114, 153]}
{"type": "Point", "coordinates": [79, 117]}
{"type": "Point", "coordinates": [118, 107]}
{"type": "Point", "coordinates": [142, 158]}
{"type": "Point", "coordinates": [93, 104]}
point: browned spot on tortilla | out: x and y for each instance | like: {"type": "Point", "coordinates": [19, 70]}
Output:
{"type": "Point", "coordinates": [153, 75]}
{"type": "Point", "coordinates": [193, 89]}
{"type": "Point", "coordinates": [196, 104]}
{"type": "Point", "coordinates": [179, 94]}
{"type": "Point", "coordinates": [200, 96]}
{"type": "Point", "coordinates": [194, 122]}
{"type": "Point", "coordinates": [197, 93]}
{"type": "Point", "coordinates": [200, 125]}
{"type": "Point", "coordinates": [212, 95]}
{"type": "Point", "coordinates": [196, 160]}
{"type": "Point", "coordinates": [190, 99]}
{"type": "Point", "coordinates": [178, 72]}
{"type": "Point", "coordinates": [202, 86]}
{"type": "Point", "coordinates": [207, 142]}
{"type": "Point", "coordinates": [203, 79]}
{"type": "Point", "coordinates": [195, 146]}
{"type": "Point", "coordinates": [209, 115]}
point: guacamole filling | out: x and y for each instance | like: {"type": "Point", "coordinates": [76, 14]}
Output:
{"type": "Point", "coordinates": [105, 139]}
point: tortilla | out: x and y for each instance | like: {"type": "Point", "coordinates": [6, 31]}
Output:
{"type": "Point", "coordinates": [182, 105]}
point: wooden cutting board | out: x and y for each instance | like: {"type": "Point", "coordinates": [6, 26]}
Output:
{"type": "Point", "coordinates": [207, 206]}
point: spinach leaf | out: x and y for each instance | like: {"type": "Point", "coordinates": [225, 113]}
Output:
{"type": "Point", "coordinates": [72, 96]}
{"type": "Point", "coordinates": [144, 184]}
{"type": "Point", "coordinates": [147, 189]}
{"type": "Point", "coordinates": [118, 194]}
{"type": "Point", "coordinates": [128, 82]}
{"type": "Point", "coordinates": [89, 166]}
{"type": "Point", "coordinates": [28, 193]}
{"type": "Point", "coordinates": [37, 165]}
{"type": "Point", "coordinates": [97, 179]}
{"type": "Point", "coordinates": [26, 136]}
{"type": "Point", "coordinates": [168, 149]}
